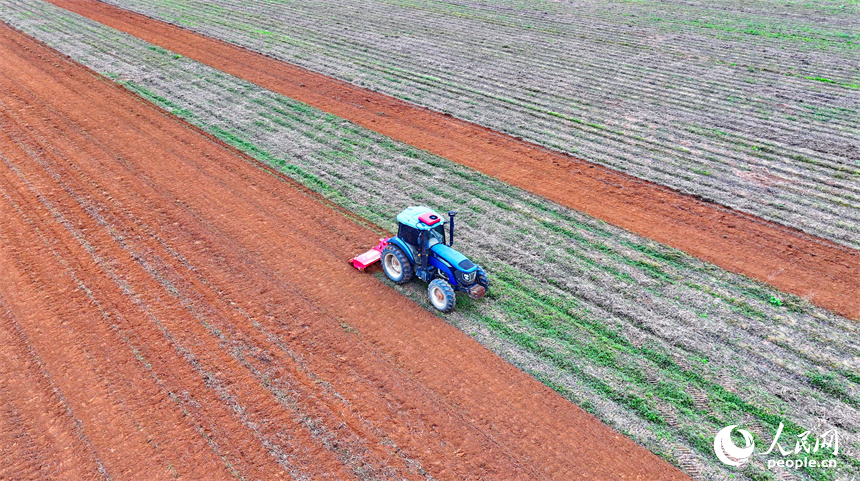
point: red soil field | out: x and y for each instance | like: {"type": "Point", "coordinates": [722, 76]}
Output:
{"type": "Point", "coordinates": [825, 273]}
{"type": "Point", "coordinates": [171, 309]}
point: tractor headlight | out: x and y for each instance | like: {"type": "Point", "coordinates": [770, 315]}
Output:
{"type": "Point", "coordinates": [468, 278]}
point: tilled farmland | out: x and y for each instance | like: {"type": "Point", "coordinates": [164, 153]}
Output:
{"type": "Point", "coordinates": [660, 346]}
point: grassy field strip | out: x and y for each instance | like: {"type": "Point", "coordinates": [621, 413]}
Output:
{"type": "Point", "coordinates": [819, 24]}
{"type": "Point", "coordinates": [774, 141]}
{"type": "Point", "coordinates": [659, 345]}
{"type": "Point", "coordinates": [193, 15]}
{"type": "Point", "coordinates": [793, 22]}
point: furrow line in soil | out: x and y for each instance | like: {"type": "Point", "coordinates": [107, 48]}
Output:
{"type": "Point", "coordinates": [39, 437]}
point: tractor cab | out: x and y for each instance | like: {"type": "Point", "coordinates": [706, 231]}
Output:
{"type": "Point", "coordinates": [420, 229]}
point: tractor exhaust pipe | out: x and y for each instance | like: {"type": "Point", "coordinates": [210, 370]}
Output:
{"type": "Point", "coordinates": [451, 215]}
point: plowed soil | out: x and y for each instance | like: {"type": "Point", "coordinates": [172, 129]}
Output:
{"type": "Point", "coordinates": [168, 308]}
{"type": "Point", "coordinates": [814, 268]}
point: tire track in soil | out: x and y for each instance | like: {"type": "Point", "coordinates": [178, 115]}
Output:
{"type": "Point", "coordinates": [171, 232]}
{"type": "Point", "coordinates": [39, 438]}
{"type": "Point", "coordinates": [108, 391]}
{"type": "Point", "coordinates": [212, 379]}
{"type": "Point", "coordinates": [817, 269]}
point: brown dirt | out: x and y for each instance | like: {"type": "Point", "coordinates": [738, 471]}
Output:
{"type": "Point", "coordinates": [170, 309]}
{"type": "Point", "coordinates": [819, 270]}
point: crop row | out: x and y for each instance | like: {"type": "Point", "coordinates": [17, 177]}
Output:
{"type": "Point", "coordinates": [764, 124]}
{"type": "Point", "coordinates": [665, 348]}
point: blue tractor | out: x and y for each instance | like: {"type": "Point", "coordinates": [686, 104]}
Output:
{"type": "Point", "coordinates": [419, 250]}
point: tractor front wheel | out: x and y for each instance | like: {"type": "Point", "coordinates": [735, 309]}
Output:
{"type": "Point", "coordinates": [482, 278]}
{"type": "Point", "coordinates": [396, 265]}
{"type": "Point", "coordinates": [441, 295]}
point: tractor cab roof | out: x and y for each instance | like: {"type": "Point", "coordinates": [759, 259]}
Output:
{"type": "Point", "coordinates": [420, 217]}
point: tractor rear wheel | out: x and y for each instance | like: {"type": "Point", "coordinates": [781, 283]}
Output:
{"type": "Point", "coordinates": [396, 265]}
{"type": "Point", "coordinates": [441, 295]}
